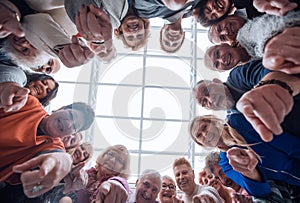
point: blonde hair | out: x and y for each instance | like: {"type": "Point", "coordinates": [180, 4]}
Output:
{"type": "Point", "coordinates": [182, 161]}
{"type": "Point", "coordinates": [229, 135]}
{"type": "Point", "coordinates": [120, 149]}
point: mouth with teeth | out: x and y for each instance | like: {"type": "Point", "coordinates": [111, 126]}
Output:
{"type": "Point", "coordinates": [219, 5]}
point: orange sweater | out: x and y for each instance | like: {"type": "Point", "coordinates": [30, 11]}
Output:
{"type": "Point", "coordinates": [18, 140]}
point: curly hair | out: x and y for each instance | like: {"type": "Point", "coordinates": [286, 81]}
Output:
{"type": "Point", "coordinates": [33, 77]}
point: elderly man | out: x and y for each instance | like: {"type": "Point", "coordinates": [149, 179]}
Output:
{"type": "Point", "coordinates": [147, 188]}
{"type": "Point", "coordinates": [273, 101]}
{"type": "Point", "coordinates": [185, 179]}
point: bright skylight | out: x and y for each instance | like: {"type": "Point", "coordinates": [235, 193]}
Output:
{"type": "Point", "coordinates": [143, 100]}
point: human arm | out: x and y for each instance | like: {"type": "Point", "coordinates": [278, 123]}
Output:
{"type": "Point", "coordinates": [245, 162]}
{"type": "Point", "coordinates": [112, 191]}
{"type": "Point", "coordinates": [49, 169]}
{"type": "Point", "coordinates": [255, 188]}
{"type": "Point", "coordinates": [282, 51]}
{"type": "Point", "coordinates": [274, 7]}
{"type": "Point", "coordinates": [74, 54]}
{"type": "Point", "coordinates": [265, 107]}
{"type": "Point", "coordinates": [9, 19]}
{"type": "Point", "coordinates": [12, 96]}
{"type": "Point", "coordinates": [94, 25]}
{"type": "Point", "coordinates": [76, 180]}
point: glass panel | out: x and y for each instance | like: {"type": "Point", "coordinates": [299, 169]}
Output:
{"type": "Point", "coordinates": [119, 101]}
{"type": "Point", "coordinates": [173, 106]}
{"type": "Point", "coordinates": [165, 136]}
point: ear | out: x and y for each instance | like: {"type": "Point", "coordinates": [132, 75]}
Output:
{"type": "Point", "coordinates": [136, 182]}
{"type": "Point", "coordinates": [216, 80]}
{"type": "Point", "coordinates": [117, 31]}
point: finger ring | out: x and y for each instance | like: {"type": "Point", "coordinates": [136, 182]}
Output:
{"type": "Point", "coordinates": [37, 188]}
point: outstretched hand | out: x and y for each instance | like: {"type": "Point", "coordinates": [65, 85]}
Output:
{"type": "Point", "coordinates": [12, 96]}
{"type": "Point", "coordinates": [265, 108]}
{"type": "Point", "coordinates": [274, 7]}
{"type": "Point", "coordinates": [76, 180]}
{"type": "Point", "coordinates": [111, 191]}
{"type": "Point", "coordinates": [282, 52]}
{"type": "Point", "coordinates": [49, 170]}
{"type": "Point", "coordinates": [9, 23]}
{"type": "Point", "coordinates": [75, 54]}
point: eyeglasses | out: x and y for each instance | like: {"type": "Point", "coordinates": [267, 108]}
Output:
{"type": "Point", "coordinates": [113, 154]}
{"type": "Point", "coordinates": [170, 186]}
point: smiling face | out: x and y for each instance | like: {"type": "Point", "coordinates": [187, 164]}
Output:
{"type": "Point", "coordinates": [113, 162]}
{"type": "Point", "coordinates": [206, 134]}
{"type": "Point", "coordinates": [62, 122]}
{"type": "Point", "coordinates": [51, 67]}
{"type": "Point", "coordinates": [215, 9]}
{"type": "Point", "coordinates": [185, 176]}
{"type": "Point", "coordinates": [41, 88]}
{"type": "Point", "coordinates": [218, 173]}
{"type": "Point", "coordinates": [222, 57]}
{"type": "Point", "coordinates": [168, 189]}
{"type": "Point", "coordinates": [80, 154]}
{"type": "Point", "coordinates": [226, 30]}
{"type": "Point", "coordinates": [71, 140]}
{"type": "Point", "coordinates": [213, 95]}
{"type": "Point", "coordinates": [172, 37]}
{"type": "Point", "coordinates": [147, 189]}
{"type": "Point", "coordinates": [133, 30]}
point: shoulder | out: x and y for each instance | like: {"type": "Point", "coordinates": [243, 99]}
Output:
{"type": "Point", "coordinates": [12, 74]}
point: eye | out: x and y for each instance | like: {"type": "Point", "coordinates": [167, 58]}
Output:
{"type": "Point", "coordinates": [140, 36]}
{"type": "Point", "coordinates": [130, 38]}
{"type": "Point", "coordinates": [154, 190]}
{"type": "Point", "coordinates": [203, 127]}
{"type": "Point", "coordinates": [222, 38]}
{"type": "Point", "coordinates": [25, 51]}
{"type": "Point", "coordinates": [216, 65]}
{"type": "Point", "coordinates": [219, 29]}
{"type": "Point", "coordinates": [60, 126]}
{"type": "Point", "coordinates": [48, 70]}
{"type": "Point", "coordinates": [72, 141]}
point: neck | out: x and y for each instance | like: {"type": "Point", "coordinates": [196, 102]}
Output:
{"type": "Point", "coordinates": [189, 193]}
{"type": "Point", "coordinates": [245, 57]}
{"type": "Point", "coordinates": [41, 127]}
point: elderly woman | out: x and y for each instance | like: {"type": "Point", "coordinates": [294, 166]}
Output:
{"type": "Point", "coordinates": [245, 157]}
{"type": "Point", "coordinates": [224, 57]}
{"type": "Point", "coordinates": [167, 193]}
{"type": "Point", "coordinates": [42, 86]}
{"type": "Point", "coordinates": [112, 164]}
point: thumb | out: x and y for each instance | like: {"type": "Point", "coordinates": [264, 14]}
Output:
{"type": "Point", "coordinates": [22, 92]}
{"type": "Point", "coordinates": [15, 27]}
{"type": "Point", "coordinates": [75, 40]}
{"type": "Point", "coordinates": [273, 62]}
{"type": "Point", "coordinates": [105, 188]}
{"type": "Point", "coordinates": [32, 163]}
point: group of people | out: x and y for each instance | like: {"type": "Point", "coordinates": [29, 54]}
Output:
{"type": "Point", "coordinates": [43, 158]}
{"type": "Point", "coordinates": [256, 146]}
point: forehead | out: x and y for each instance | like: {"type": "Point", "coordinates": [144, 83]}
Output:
{"type": "Point", "coordinates": [182, 167]}
{"type": "Point", "coordinates": [152, 180]}
{"type": "Point", "coordinates": [167, 181]}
